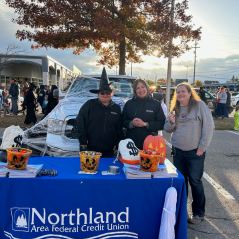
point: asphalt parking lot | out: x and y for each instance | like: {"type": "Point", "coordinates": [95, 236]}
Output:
{"type": "Point", "coordinates": [222, 167]}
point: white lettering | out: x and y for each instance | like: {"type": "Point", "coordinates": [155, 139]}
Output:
{"type": "Point", "coordinates": [42, 219]}
{"type": "Point", "coordinates": [107, 217]}
{"type": "Point", "coordinates": [57, 218]}
{"type": "Point", "coordinates": [126, 214]}
{"type": "Point", "coordinates": [81, 214]}
{"type": "Point", "coordinates": [90, 217]}
{"type": "Point", "coordinates": [100, 217]}
{"type": "Point", "coordinates": [62, 219]}
{"type": "Point", "coordinates": [70, 218]}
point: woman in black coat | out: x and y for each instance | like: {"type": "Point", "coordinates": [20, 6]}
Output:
{"type": "Point", "coordinates": [228, 103]}
{"type": "Point", "coordinates": [52, 101]}
{"type": "Point", "coordinates": [30, 103]}
{"type": "Point", "coordinates": [142, 115]}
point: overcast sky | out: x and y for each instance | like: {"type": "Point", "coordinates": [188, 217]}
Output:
{"type": "Point", "coordinates": [217, 57]}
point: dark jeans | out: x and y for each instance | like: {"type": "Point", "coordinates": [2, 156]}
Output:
{"type": "Point", "coordinates": [221, 109]}
{"type": "Point", "coordinates": [191, 167]}
{"type": "Point", "coordinates": [14, 105]}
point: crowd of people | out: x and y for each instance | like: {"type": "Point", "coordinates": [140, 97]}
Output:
{"type": "Point", "coordinates": [33, 96]}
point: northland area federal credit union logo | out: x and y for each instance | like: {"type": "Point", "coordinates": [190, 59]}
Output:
{"type": "Point", "coordinates": [20, 218]}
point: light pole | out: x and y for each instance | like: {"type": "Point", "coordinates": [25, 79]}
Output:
{"type": "Point", "coordinates": [187, 73]}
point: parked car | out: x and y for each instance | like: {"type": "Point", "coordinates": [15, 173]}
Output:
{"type": "Point", "coordinates": [235, 100]}
{"type": "Point", "coordinates": [234, 93]}
{"type": "Point", "coordinates": [55, 134]}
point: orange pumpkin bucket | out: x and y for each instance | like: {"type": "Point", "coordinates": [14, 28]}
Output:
{"type": "Point", "coordinates": [89, 163]}
{"type": "Point", "coordinates": [149, 163]}
{"type": "Point", "coordinates": [157, 143]}
{"type": "Point", "coordinates": [17, 158]}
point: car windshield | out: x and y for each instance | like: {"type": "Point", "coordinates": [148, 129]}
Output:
{"type": "Point", "coordinates": [81, 88]}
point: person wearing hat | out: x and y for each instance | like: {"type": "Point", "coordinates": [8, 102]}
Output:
{"type": "Point", "coordinates": [201, 94]}
{"type": "Point", "coordinates": [14, 92]}
{"type": "Point", "coordinates": [30, 103]}
{"type": "Point", "coordinates": [98, 124]}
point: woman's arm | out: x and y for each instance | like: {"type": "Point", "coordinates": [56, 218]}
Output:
{"type": "Point", "coordinates": [207, 127]}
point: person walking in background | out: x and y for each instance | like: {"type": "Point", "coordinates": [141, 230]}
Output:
{"type": "Point", "coordinates": [191, 125]}
{"type": "Point", "coordinates": [30, 103]}
{"type": "Point", "coordinates": [52, 101]}
{"type": "Point", "coordinates": [46, 90]}
{"type": "Point", "coordinates": [44, 105]}
{"type": "Point", "coordinates": [41, 96]}
{"type": "Point", "coordinates": [2, 88]}
{"type": "Point", "coordinates": [6, 104]}
{"type": "Point", "coordinates": [236, 118]}
{"type": "Point", "coordinates": [14, 92]}
{"type": "Point", "coordinates": [24, 89]}
{"type": "Point", "coordinates": [201, 94]}
{"type": "Point", "coordinates": [228, 102]}
{"type": "Point", "coordinates": [221, 103]}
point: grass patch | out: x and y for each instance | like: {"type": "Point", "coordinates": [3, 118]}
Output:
{"type": "Point", "coordinates": [8, 120]}
{"type": "Point", "coordinates": [226, 124]}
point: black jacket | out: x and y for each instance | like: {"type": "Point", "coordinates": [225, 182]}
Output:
{"type": "Point", "coordinates": [52, 101]}
{"type": "Point", "coordinates": [228, 103]}
{"type": "Point", "coordinates": [202, 95]}
{"type": "Point", "coordinates": [99, 126]}
{"type": "Point", "coordinates": [41, 94]}
{"type": "Point", "coordinates": [14, 89]}
{"type": "Point", "coordinates": [149, 110]}
{"type": "Point", "coordinates": [30, 102]}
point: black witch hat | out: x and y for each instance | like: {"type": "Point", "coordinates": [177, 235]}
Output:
{"type": "Point", "coordinates": [104, 83]}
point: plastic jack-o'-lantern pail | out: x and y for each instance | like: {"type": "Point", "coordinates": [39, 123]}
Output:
{"type": "Point", "coordinates": [149, 163]}
{"type": "Point", "coordinates": [89, 163]}
{"type": "Point", "coordinates": [17, 158]}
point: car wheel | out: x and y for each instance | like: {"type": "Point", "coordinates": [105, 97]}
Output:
{"type": "Point", "coordinates": [237, 103]}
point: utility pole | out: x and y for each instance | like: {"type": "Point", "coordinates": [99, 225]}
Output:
{"type": "Point", "coordinates": [170, 58]}
{"type": "Point", "coordinates": [195, 52]}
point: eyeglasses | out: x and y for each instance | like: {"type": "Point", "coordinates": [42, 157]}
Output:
{"type": "Point", "coordinates": [105, 92]}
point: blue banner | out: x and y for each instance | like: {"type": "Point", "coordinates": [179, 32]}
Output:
{"type": "Point", "coordinates": [86, 206]}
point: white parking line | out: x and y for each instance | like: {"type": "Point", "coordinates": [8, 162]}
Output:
{"type": "Point", "coordinates": [217, 186]}
{"type": "Point", "coordinates": [232, 132]}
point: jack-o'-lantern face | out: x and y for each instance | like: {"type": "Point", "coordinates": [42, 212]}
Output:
{"type": "Point", "coordinates": [90, 164]}
{"type": "Point", "coordinates": [157, 143]}
{"type": "Point", "coordinates": [146, 163]}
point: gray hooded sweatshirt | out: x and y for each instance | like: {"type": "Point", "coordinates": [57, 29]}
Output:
{"type": "Point", "coordinates": [192, 130]}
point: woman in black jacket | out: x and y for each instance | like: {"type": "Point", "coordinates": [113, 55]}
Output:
{"type": "Point", "coordinates": [52, 101]}
{"type": "Point", "coordinates": [30, 103]}
{"type": "Point", "coordinates": [142, 115]}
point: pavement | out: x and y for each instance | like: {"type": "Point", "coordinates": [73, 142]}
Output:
{"type": "Point", "coordinates": [222, 166]}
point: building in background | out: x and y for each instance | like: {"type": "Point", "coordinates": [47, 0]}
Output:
{"type": "Point", "coordinates": [40, 70]}
{"type": "Point", "coordinates": [179, 81]}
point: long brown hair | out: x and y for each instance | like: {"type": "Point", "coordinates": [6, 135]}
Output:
{"type": "Point", "coordinates": [175, 105]}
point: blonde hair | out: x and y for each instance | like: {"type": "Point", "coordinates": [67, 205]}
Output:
{"type": "Point", "coordinates": [194, 98]}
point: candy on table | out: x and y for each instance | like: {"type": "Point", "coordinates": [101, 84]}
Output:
{"type": "Point", "coordinates": [18, 151]}
{"type": "Point", "coordinates": [150, 152]}
{"type": "Point", "coordinates": [90, 153]}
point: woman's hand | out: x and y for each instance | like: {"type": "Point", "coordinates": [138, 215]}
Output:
{"type": "Point", "coordinates": [138, 123]}
{"type": "Point", "coordinates": [172, 118]}
{"type": "Point", "coordinates": [199, 152]}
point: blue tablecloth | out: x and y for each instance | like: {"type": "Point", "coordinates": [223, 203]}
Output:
{"type": "Point", "coordinates": [86, 206]}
